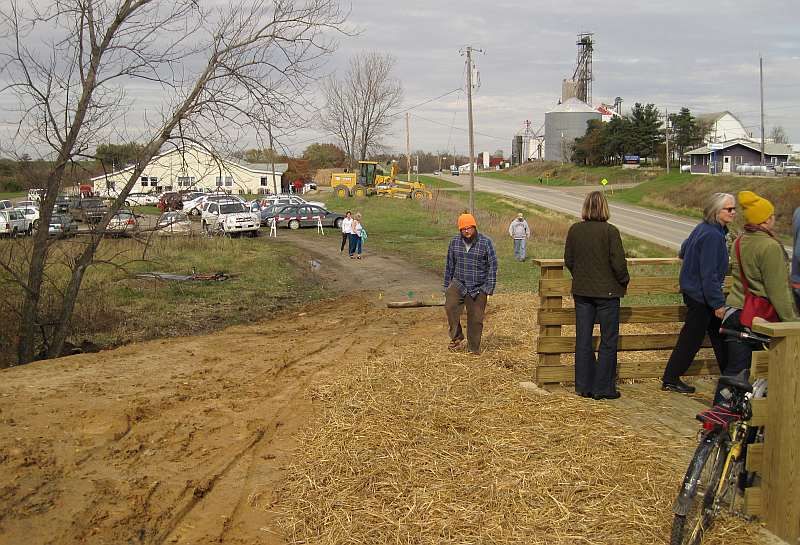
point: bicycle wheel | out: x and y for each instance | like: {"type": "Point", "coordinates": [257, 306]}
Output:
{"type": "Point", "coordinates": [694, 508]}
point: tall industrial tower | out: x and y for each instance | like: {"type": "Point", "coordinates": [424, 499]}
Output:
{"type": "Point", "coordinates": [583, 67]}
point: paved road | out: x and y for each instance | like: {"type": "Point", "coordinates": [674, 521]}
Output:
{"type": "Point", "coordinates": [665, 229]}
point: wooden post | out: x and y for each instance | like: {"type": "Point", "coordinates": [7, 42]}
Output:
{"type": "Point", "coordinates": [781, 458]}
{"type": "Point", "coordinates": [550, 269]}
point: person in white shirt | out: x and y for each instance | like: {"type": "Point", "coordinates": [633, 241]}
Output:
{"type": "Point", "coordinates": [347, 228]}
{"type": "Point", "coordinates": [520, 232]}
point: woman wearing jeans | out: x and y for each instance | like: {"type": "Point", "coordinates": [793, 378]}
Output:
{"type": "Point", "coordinates": [705, 263]}
{"type": "Point", "coordinates": [594, 255]}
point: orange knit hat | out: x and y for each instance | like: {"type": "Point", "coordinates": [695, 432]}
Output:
{"type": "Point", "coordinates": [466, 220]}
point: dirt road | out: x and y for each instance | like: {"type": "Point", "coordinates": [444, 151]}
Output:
{"type": "Point", "coordinates": [185, 440]}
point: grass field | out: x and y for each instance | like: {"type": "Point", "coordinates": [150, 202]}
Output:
{"type": "Point", "coordinates": [15, 196]}
{"type": "Point", "coordinates": [556, 174]}
{"type": "Point", "coordinates": [421, 231]}
{"type": "Point", "coordinates": [436, 182]}
{"type": "Point", "coordinates": [115, 308]}
{"type": "Point", "coordinates": [685, 194]}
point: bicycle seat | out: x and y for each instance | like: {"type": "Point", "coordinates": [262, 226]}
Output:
{"type": "Point", "coordinates": [739, 382]}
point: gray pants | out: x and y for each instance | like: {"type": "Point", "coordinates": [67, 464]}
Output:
{"type": "Point", "coordinates": [454, 305]}
{"type": "Point", "coordinates": [519, 249]}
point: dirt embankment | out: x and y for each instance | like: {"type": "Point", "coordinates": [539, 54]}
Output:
{"type": "Point", "coordinates": [168, 441]}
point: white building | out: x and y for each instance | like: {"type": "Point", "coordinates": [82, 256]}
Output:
{"type": "Point", "coordinates": [724, 127]}
{"type": "Point", "coordinates": [195, 168]}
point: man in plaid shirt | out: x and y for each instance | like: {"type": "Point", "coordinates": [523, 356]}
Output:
{"type": "Point", "coordinates": [470, 275]}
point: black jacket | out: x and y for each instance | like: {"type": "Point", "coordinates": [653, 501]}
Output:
{"type": "Point", "coordinates": [594, 255]}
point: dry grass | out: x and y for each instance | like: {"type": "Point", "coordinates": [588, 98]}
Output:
{"type": "Point", "coordinates": [427, 446]}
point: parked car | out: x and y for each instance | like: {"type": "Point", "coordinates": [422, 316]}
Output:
{"type": "Point", "coordinates": [88, 209]}
{"type": "Point", "coordinates": [123, 223]}
{"type": "Point", "coordinates": [297, 216]}
{"type": "Point", "coordinates": [141, 199]}
{"type": "Point", "coordinates": [231, 216]}
{"type": "Point", "coordinates": [170, 200]}
{"type": "Point", "coordinates": [269, 212]}
{"type": "Point", "coordinates": [36, 195]}
{"type": "Point", "coordinates": [5, 204]}
{"type": "Point", "coordinates": [31, 217]}
{"type": "Point", "coordinates": [62, 205]}
{"type": "Point", "coordinates": [192, 205]}
{"type": "Point", "coordinates": [62, 225]}
{"type": "Point", "coordinates": [217, 197]}
{"type": "Point", "coordinates": [12, 223]}
{"type": "Point", "coordinates": [288, 199]}
{"type": "Point", "coordinates": [174, 223]}
{"type": "Point", "coordinates": [454, 172]}
{"type": "Point", "coordinates": [27, 204]}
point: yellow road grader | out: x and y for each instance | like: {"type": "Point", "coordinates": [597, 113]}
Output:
{"type": "Point", "coordinates": [370, 179]}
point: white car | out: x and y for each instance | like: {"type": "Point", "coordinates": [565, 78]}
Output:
{"type": "Point", "coordinates": [141, 199]}
{"type": "Point", "coordinates": [31, 217]}
{"type": "Point", "coordinates": [192, 206]}
{"type": "Point", "coordinates": [12, 223]}
{"type": "Point", "coordinates": [36, 194]}
{"type": "Point", "coordinates": [6, 204]}
{"type": "Point", "coordinates": [27, 204]}
{"type": "Point", "coordinates": [230, 217]}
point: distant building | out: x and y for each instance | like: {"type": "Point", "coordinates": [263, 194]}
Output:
{"type": "Point", "coordinates": [197, 169]}
{"type": "Point", "coordinates": [729, 155]}
{"type": "Point", "coordinates": [607, 112]}
{"type": "Point", "coordinates": [563, 124]}
{"type": "Point", "coordinates": [723, 127]}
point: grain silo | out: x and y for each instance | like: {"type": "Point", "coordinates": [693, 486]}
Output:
{"type": "Point", "coordinates": [563, 124]}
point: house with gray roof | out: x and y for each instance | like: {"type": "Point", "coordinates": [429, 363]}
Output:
{"type": "Point", "coordinates": [723, 127]}
{"type": "Point", "coordinates": [724, 157]}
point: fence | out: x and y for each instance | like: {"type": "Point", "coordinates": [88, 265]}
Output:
{"type": "Point", "coordinates": [777, 460]}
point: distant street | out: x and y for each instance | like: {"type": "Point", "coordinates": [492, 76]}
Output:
{"type": "Point", "coordinates": [665, 229]}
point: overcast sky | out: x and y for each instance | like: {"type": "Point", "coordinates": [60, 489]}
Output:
{"type": "Point", "coordinates": [703, 55]}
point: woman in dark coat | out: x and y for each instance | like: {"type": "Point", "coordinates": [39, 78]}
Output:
{"type": "Point", "coordinates": [594, 255]}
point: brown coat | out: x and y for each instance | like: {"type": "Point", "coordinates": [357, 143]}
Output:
{"type": "Point", "coordinates": [594, 255]}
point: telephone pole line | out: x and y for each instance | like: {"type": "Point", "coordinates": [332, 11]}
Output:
{"type": "Point", "coordinates": [272, 157]}
{"type": "Point", "coordinates": [408, 149]}
{"type": "Point", "coordinates": [761, 85]}
{"type": "Point", "coordinates": [666, 136]}
{"type": "Point", "coordinates": [471, 134]}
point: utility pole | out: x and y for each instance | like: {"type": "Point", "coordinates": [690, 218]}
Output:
{"type": "Point", "coordinates": [408, 149]}
{"type": "Point", "coordinates": [416, 170]}
{"type": "Point", "coordinates": [666, 134]}
{"type": "Point", "coordinates": [272, 157]}
{"type": "Point", "coordinates": [761, 85]}
{"type": "Point", "coordinates": [471, 134]}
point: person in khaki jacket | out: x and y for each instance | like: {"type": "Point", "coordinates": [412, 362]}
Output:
{"type": "Point", "coordinates": [763, 262]}
{"type": "Point", "coordinates": [594, 255]}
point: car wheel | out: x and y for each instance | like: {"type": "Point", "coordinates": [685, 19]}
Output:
{"type": "Point", "coordinates": [418, 195]}
{"type": "Point", "coordinates": [205, 227]}
{"type": "Point", "coordinates": [360, 192]}
{"type": "Point", "coordinates": [294, 225]}
{"type": "Point", "coordinates": [341, 192]}
{"type": "Point", "coordinates": [14, 233]}
{"type": "Point", "coordinates": [338, 223]}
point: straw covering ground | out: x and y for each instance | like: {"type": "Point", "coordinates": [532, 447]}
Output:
{"type": "Point", "coordinates": [425, 446]}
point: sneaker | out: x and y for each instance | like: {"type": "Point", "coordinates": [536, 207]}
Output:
{"type": "Point", "coordinates": [455, 344]}
{"type": "Point", "coordinates": [677, 386]}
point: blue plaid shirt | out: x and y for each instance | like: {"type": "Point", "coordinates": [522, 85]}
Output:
{"type": "Point", "coordinates": [474, 270]}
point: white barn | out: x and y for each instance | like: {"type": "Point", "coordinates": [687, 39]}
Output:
{"type": "Point", "coordinates": [724, 127]}
{"type": "Point", "coordinates": [195, 168]}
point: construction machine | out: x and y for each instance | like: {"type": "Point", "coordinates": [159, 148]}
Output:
{"type": "Point", "coordinates": [370, 179]}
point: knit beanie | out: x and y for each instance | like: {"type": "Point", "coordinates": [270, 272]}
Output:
{"type": "Point", "coordinates": [756, 209]}
{"type": "Point", "coordinates": [466, 220]}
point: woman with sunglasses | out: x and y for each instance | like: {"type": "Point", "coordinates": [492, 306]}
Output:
{"type": "Point", "coordinates": [705, 263]}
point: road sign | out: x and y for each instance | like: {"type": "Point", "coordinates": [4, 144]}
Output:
{"type": "Point", "coordinates": [604, 182]}
{"type": "Point", "coordinates": [715, 146]}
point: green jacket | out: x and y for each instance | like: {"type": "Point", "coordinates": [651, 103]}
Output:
{"type": "Point", "coordinates": [767, 274]}
{"type": "Point", "coordinates": [594, 255]}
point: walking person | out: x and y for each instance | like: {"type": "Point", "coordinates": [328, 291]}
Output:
{"type": "Point", "coordinates": [796, 257]}
{"type": "Point", "coordinates": [470, 276]}
{"type": "Point", "coordinates": [347, 227]}
{"type": "Point", "coordinates": [759, 270]}
{"type": "Point", "coordinates": [356, 232]}
{"type": "Point", "coordinates": [705, 263]}
{"type": "Point", "coordinates": [520, 233]}
{"type": "Point", "coordinates": [594, 255]}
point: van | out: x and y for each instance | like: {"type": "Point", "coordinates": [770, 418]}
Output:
{"type": "Point", "coordinates": [36, 194]}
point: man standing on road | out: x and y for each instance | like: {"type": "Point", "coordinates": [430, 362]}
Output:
{"type": "Point", "coordinates": [520, 232]}
{"type": "Point", "coordinates": [470, 275]}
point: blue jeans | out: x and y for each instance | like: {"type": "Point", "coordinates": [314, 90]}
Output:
{"type": "Point", "coordinates": [355, 244]}
{"type": "Point", "coordinates": [596, 376]}
{"type": "Point", "coordinates": [519, 249]}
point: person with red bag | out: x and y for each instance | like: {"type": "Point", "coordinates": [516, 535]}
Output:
{"type": "Point", "coordinates": [760, 273]}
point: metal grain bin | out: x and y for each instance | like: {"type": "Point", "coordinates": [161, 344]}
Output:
{"type": "Point", "coordinates": [563, 124]}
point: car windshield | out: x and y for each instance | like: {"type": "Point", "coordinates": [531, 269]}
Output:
{"type": "Point", "coordinates": [92, 203]}
{"type": "Point", "coordinates": [123, 216]}
{"type": "Point", "coordinates": [58, 218]}
{"type": "Point", "coordinates": [231, 208]}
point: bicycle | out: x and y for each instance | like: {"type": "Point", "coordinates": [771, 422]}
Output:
{"type": "Point", "coordinates": [716, 476]}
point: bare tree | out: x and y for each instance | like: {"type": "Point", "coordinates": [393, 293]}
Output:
{"type": "Point", "coordinates": [778, 135]}
{"type": "Point", "coordinates": [358, 106]}
{"type": "Point", "coordinates": [220, 72]}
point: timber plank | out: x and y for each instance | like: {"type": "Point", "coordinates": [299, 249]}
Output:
{"type": "Point", "coordinates": [753, 501]}
{"type": "Point", "coordinates": [639, 285]}
{"type": "Point", "coordinates": [652, 341]}
{"type": "Point", "coordinates": [755, 457]}
{"type": "Point", "coordinates": [759, 411]}
{"type": "Point", "coordinates": [627, 315]}
{"type": "Point", "coordinates": [626, 370]}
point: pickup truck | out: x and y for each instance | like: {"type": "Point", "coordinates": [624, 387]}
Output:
{"type": "Point", "coordinates": [787, 169]}
{"type": "Point", "coordinates": [88, 209]}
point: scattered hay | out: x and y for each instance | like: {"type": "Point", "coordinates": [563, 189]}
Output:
{"type": "Point", "coordinates": [427, 446]}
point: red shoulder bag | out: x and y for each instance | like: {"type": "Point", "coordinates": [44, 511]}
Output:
{"type": "Point", "coordinates": [754, 305]}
